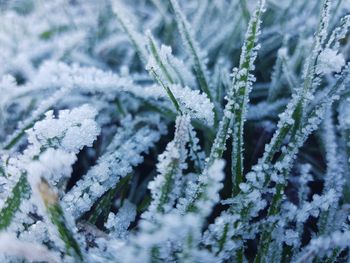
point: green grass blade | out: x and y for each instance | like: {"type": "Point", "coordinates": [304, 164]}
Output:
{"type": "Point", "coordinates": [192, 48]}
{"type": "Point", "coordinates": [19, 192]}
{"type": "Point", "coordinates": [104, 205]}
{"type": "Point", "coordinates": [136, 39]}
{"type": "Point", "coordinates": [156, 56]}
{"type": "Point", "coordinates": [57, 217]}
{"type": "Point", "coordinates": [242, 86]}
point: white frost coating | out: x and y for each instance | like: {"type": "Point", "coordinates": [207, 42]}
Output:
{"type": "Point", "coordinates": [118, 223]}
{"type": "Point", "coordinates": [205, 194]}
{"type": "Point", "coordinates": [113, 165]}
{"type": "Point", "coordinates": [167, 65]}
{"type": "Point", "coordinates": [176, 229]}
{"type": "Point", "coordinates": [195, 103]}
{"type": "Point", "coordinates": [344, 114]}
{"type": "Point", "coordinates": [71, 131]}
{"type": "Point", "coordinates": [321, 245]}
{"type": "Point", "coordinates": [313, 208]}
{"type": "Point", "coordinates": [124, 17]}
{"type": "Point", "coordinates": [212, 182]}
{"type": "Point", "coordinates": [198, 56]}
{"type": "Point", "coordinates": [330, 61]}
{"type": "Point", "coordinates": [171, 233]}
{"type": "Point", "coordinates": [180, 70]}
{"type": "Point", "coordinates": [11, 246]}
{"type": "Point", "coordinates": [92, 80]}
{"type": "Point", "coordinates": [334, 178]}
{"type": "Point", "coordinates": [58, 54]}
{"type": "Point", "coordinates": [53, 171]}
{"type": "Point", "coordinates": [305, 177]}
{"type": "Point", "coordinates": [53, 74]}
{"type": "Point", "coordinates": [166, 186]}
{"type": "Point", "coordinates": [192, 102]}
{"type": "Point", "coordinates": [40, 110]}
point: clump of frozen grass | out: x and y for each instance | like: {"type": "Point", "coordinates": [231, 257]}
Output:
{"type": "Point", "coordinates": [124, 137]}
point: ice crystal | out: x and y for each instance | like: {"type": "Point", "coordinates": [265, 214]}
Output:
{"type": "Point", "coordinates": [174, 131]}
{"type": "Point", "coordinates": [330, 61]}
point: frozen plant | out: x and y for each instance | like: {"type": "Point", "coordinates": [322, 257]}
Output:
{"type": "Point", "coordinates": [175, 131]}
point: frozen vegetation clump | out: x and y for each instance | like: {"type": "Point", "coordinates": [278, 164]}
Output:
{"type": "Point", "coordinates": [175, 131]}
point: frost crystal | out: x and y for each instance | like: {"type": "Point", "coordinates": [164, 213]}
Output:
{"type": "Point", "coordinates": [72, 130]}
{"type": "Point", "coordinates": [118, 223]}
{"type": "Point", "coordinates": [174, 131]}
{"type": "Point", "coordinates": [330, 61]}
